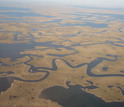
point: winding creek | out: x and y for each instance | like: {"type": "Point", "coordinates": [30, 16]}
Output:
{"type": "Point", "coordinates": [24, 39]}
{"type": "Point", "coordinates": [54, 67]}
{"type": "Point", "coordinates": [13, 51]}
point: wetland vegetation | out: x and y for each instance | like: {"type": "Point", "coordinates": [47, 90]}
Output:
{"type": "Point", "coordinates": [53, 56]}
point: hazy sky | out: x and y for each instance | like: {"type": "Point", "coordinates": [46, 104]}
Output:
{"type": "Point", "coordinates": [98, 3]}
{"type": "Point", "coordinates": [107, 3]}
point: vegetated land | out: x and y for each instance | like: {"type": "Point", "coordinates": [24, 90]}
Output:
{"type": "Point", "coordinates": [60, 44]}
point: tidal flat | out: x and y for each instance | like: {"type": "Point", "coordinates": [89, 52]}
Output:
{"type": "Point", "coordinates": [61, 56]}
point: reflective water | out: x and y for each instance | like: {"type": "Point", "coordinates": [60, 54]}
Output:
{"type": "Point", "coordinates": [90, 24]}
{"type": "Point", "coordinates": [74, 96]}
{"type": "Point", "coordinates": [15, 8]}
{"type": "Point", "coordinates": [5, 83]}
{"type": "Point", "coordinates": [23, 14]}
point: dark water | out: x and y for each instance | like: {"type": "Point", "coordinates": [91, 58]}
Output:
{"type": "Point", "coordinates": [54, 67]}
{"type": "Point", "coordinates": [122, 90]}
{"type": "Point", "coordinates": [97, 61]}
{"type": "Point", "coordinates": [105, 68]}
{"type": "Point", "coordinates": [15, 8]}
{"type": "Point", "coordinates": [122, 71]}
{"type": "Point", "coordinates": [5, 83]}
{"type": "Point", "coordinates": [90, 24]}
{"type": "Point", "coordinates": [13, 50]}
{"type": "Point", "coordinates": [23, 14]}
{"type": "Point", "coordinates": [117, 16]}
{"type": "Point", "coordinates": [74, 96]}
{"type": "Point", "coordinates": [87, 7]}
{"type": "Point", "coordinates": [8, 72]}
{"type": "Point", "coordinates": [53, 21]}
{"type": "Point", "coordinates": [19, 12]}
{"type": "Point", "coordinates": [11, 19]}
{"type": "Point", "coordinates": [110, 86]}
{"type": "Point", "coordinates": [34, 29]}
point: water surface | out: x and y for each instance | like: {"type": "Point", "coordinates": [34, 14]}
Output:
{"type": "Point", "coordinates": [74, 96]}
{"type": "Point", "coordinates": [24, 14]}
{"type": "Point", "coordinates": [5, 83]}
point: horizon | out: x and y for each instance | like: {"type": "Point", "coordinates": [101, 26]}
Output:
{"type": "Point", "coordinates": [91, 3]}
